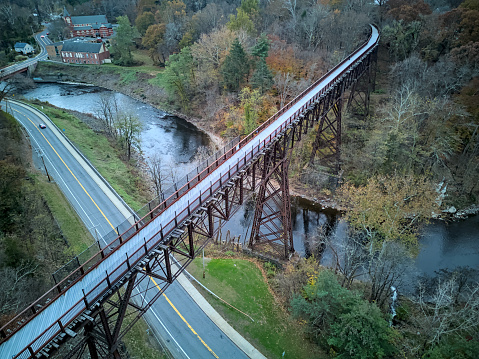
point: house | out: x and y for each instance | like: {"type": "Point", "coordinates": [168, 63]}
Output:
{"type": "Point", "coordinates": [84, 53]}
{"type": "Point", "coordinates": [54, 51]}
{"type": "Point", "coordinates": [91, 26]}
{"type": "Point", "coordinates": [24, 48]}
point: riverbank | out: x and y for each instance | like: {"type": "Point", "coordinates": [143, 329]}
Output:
{"type": "Point", "coordinates": [142, 87]}
{"type": "Point", "coordinates": [129, 81]}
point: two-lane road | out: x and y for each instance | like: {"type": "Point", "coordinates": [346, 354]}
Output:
{"type": "Point", "coordinates": [42, 40]}
{"type": "Point", "coordinates": [186, 330]}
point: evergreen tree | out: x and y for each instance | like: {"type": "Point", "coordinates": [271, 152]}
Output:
{"type": "Point", "coordinates": [261, 48]}
{"type": "Point", "coordinates": [235, 68]}
{"type": "Point", "coordinates": [262, 78]}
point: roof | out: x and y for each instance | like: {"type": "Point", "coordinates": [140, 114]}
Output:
{"type": "Point", "coordinates": [65, 12]}
{"type": "Point", "coordinates": [82, 28]}
{"type": "Point", "coordinates": [82, 47]}
{"type": "Point", "coordinates": [100, 19]}
{"type": "Point", "coordinates": [21, 44]}
{"type": "Point", "coordinates": [55, 44]}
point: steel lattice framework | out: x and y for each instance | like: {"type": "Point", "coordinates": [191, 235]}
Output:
{"type": "Point", "coordinates": [126, 277]}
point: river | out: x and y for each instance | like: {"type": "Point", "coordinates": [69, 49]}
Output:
{"type": "Point", "coordinates": [443, 245]}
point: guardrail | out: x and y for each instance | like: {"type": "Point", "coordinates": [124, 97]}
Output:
{"type": "Point", "coordinates": [121, 268]}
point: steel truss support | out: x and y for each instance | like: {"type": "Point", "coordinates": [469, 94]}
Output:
{"type": "Point", "coordinates": [272, 219]}
{"type": "Point", "coordinates": [327, 143]}
{"type": "Point", "coordinates": [328, 111]}
{"type": "Point", "coordinates": [101, 323]}
{"type": "Point", "coordinates": [362, 85]}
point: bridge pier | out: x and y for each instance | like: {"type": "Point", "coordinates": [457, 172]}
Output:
{"type": "Point", "coordinates": [272, 227]}
{"type": "Point", "coordinates": [362, 86]}
{"type": "Point", "coordinates": [360, 81]}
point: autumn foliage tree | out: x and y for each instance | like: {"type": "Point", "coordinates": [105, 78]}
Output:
{"type": "Point", "coordinates": [390, 208]}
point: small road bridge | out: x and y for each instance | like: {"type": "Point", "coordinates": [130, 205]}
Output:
{"type": "Point", "coordinates": [148, 251]}
{"type": "Point", "coordinates": [30, 64]}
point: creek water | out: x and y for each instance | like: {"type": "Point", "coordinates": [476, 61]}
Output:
{"type": "Point", "coordinates": [443, 245]}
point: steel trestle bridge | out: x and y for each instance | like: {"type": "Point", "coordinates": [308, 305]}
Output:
{"type": "Point", "coordinates": [157, 245]}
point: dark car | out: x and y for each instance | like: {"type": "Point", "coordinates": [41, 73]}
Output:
{"type": "Point", "coordinates": [42, 125]}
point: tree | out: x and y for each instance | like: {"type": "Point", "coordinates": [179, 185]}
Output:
{"type": "Point", "coordinates": [144, 21]}
{"type": "Point", "coordinates": [241, 21]}
{"type": "Point", "coordinates": [153, 39]}
{"type": "Point", "coordinates": [262, 77]}
{"type": "Point", "coordinates": [59, 30]}
{"type": "Point", "coordinates": [210, 18]}
{"type": "Point", "coordinates": [107, 110]}
{"type": "Point", "coordinates": [210, 52]}
{"type": "Point", "coordinates": [403, 38]}
{"type": "Point", "coordinates": [362, 333]}
{"type": "Point", "coordinates": [390, 208]}
{"type": "Point", "coordinates": [235, 67]}
{"type": "Point", "coordinates": [250, 102]}
{"type": "Point", "coordinates": [179, 77]}
{"type": "Point", "coordinates": [128, 128]}
{"type": "Point", "coordinates": [442, 318]}
{"type": "Point", "coordinates": [158, 173]}
{"type": "Point", "coordinates": [123, 42]}
{"type": "Point", "coordinates": [15, 288]}
{"type": "Point", "coordinates": [340, 319]}
{"type": "Point", "coordinates": [261, 48]}
{"type": "Point", "coordinates": [387, 266]}
{"type": "Point", "coordinates": [5, 89]}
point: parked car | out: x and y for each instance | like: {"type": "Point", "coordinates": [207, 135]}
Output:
{"type": "Point", "coordinates": [42, 125]}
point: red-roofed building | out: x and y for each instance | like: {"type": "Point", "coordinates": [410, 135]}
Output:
{"type": "Point", "coordinates": [90, 26]}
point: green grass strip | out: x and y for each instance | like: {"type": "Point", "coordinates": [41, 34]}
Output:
{"type": "Point", "coordinates": [73, 229]}
{"type": "Point", "coordinates": [240, 283]}
{"type": "Point", "coordinates": [100, 153]}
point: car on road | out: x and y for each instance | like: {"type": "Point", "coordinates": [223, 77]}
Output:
{"type": "Point", "coordinates": [42, 36]}
{"type": "Point", "coordinates": [42, 125]}
{"type": "Point", "coordinates": [48, 33]}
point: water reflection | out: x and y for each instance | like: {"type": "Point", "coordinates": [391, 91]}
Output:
{"type": "Point", "coordinates": [175, 139]}
{"type": "Point", "coordinates": [442, 245]}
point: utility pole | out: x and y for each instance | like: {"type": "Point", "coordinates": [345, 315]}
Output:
{"type": "Point", "coordinates": [48, 175]}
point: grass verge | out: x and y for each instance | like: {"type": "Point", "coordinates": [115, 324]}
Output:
{"type": "Point", "coordinates": [100, 153]}
{"type": "Point", "coordinates": [73, 229]}
{"type": "Point", "coordinates": [240, 283]}
{"type": "Point", "coordinates": [104, 157]}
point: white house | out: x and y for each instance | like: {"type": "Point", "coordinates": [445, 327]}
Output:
{"type": "Point", "coordinates": [24, 48]}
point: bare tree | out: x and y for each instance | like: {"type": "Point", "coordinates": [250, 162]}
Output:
{"type": "Point", "coordinates": [128, 128]}
{"type": "Point", "coordinates": [387, 267]}
{"type": "Point", "coordinates": [5, 89]}
{"type": "Point", "coordinates": [349, 257]}
{"type": "Point", "coordinates": [107, 110]}
{"type": "Point", "coordinates": [15, 287]}
{"type": "Point", "coordinates": [159, 173]}
{"type": "Point", "coordinates": [441, 317]}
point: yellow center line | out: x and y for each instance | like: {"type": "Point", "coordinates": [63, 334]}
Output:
{"type": "Point", "coordinates": [184, 320]}
{"type": "Point", "coordinates": [157, 286]}
{"type": "Point", "coordinates": [68, 168]}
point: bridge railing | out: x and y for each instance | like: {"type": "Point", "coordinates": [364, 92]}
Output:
{"type": "Point", "coordinates": [131, 260]}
